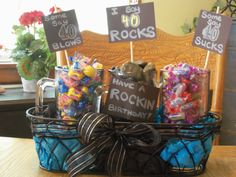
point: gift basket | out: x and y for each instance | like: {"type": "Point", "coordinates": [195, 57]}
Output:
{"type": "Point", "coordinates": [129, 134]}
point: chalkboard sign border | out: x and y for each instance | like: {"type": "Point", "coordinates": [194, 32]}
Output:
{"type": "Point", "coordinates": [154, 38]}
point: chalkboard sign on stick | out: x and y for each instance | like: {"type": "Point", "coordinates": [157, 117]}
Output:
{"type": "Point", "coordinates": [132, 22]}
{"type": "Point", "coordinates": [212, 31]}
{"type": "Point", "coordinates": [62, 30]}
{"type": "Point", "coordinates": [131, 100]}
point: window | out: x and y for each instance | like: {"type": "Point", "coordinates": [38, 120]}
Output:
{"type": "Point", "coordinates": [91, 14]}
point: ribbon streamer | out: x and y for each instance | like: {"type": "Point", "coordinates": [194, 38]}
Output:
{"type": "Point", "coordinates": [99, 133]}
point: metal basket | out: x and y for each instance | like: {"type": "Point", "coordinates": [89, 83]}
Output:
{"type": "Point", "coordinates": [183, 149]}
{"type": "Point", "coordinates": [55, 140]}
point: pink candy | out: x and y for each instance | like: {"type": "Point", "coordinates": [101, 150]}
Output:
{"type": "Point", "coordinates": [185, 93]}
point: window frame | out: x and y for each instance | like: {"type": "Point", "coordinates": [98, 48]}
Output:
{"type": "Point", "coordinates": [9, 74]}
{"type": "Point", "coordinates": [8, 70]}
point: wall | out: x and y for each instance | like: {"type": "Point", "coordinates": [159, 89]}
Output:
{"type": "Point", "coordinates": [171, 14]}
{"type": "Point", "coordinates": [228, 129]}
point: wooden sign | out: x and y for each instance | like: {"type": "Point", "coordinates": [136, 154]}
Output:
{"type": "Point", "coordinates": [212, 31]}
{"type": "Point", "coordinates": [133, 22]}
{"type": "Point", "coordinates": [62, 30]}
{"type": "Point", "coordinates": [131, 100]}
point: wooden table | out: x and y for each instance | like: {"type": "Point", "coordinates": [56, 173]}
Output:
{"type": "Point", "coordinates": [18, 158]}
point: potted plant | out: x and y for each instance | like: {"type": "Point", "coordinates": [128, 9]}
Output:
{"type": "Point", "coordinates": [31, 52]}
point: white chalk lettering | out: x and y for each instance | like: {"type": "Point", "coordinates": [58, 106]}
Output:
{"type": "Point", "coordinates": [142, 88]}
{"type": "Point", "coordinates": [114, 93]}
{"type": "Point", "coordinates": [124, 34]}
{"type": "Point", "coordinates": [130, 113]}
{"type": "Point", "coordinates": [66, 44]}
{"type": "Point", "coordinates": [76, 41]}
{"type": "Point", "coordinates": [118, 82]}
{"type": "Point", "coordinates": [114, 34]}
{"type": "Point", "coordinates": [46, 18]}
{"type": "Point", "coordinates": [151, 31]}
{"type": "Point", "coordinates": [209, 45]}
{"type": "Point", "coordinates": [137, 33]}
{"type": "Point", "coordinates": [145, 32]}
{"type": "Point", "coordinates": [133, 34]}
{"type": "Point", "coordinates": [56, 23]}
{"type": "Point", "coordinates": [220, 48]}
{"type": "Point", "coordinates": [124, 96]}
{"type": "Point", "coordinates": [141, 102]}
{"type": "Point", "coordinates": [114, 11]}
{"type": "Point", "coordinates": [150, 104]}
{"type": "Point", "coordinates": [132, 99]}
{"type": "Point", "coordinates": [56, 16]}
{"type": "Point", "coordinates": [55, 46]}
{"type": "Point", "coordinates": [207, 15]}
{"type": "Point", "coordinates": [132, 9]}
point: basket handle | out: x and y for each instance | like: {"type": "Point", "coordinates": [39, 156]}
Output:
{"type": "Point", "coordinates": [41, 85]}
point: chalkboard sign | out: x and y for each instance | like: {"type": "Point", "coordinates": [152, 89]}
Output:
{"type": "Point", "coordinates": [62, 30]}
{"type": "Point", "coordinates": [212, 31]}
{"type": "Point", "coordinates": [131, 100]}
{"type": "Point", "coordinates": [133, 22]}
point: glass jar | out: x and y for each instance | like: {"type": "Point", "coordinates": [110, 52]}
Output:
{"type": "Point", "coordinates": [184, 93]}
{"type": "Point", "coordinates": [75, 92]}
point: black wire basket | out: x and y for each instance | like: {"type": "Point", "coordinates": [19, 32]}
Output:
{"type": "Point", "coordinates": [98, 144]}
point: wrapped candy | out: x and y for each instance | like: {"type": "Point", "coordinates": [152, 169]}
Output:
{"type": "Point", "coordinates": [76, 86]}
{"type": "Point", "coordinates": [75, 75]}
{"type": "Point", "coordinates": [74, 94]}
{"type": "Point", "coordinates": [150, 74]}
{"type": "Point", "coordinates": [184, 93]}
{"type": "Point", "coordinates": [89, 71]}
{"type": "Point", "coordinates": [139, 71]}
{"type": "Point", "coordinates": [132, 70]}
{"type": "Point", "coordinates": [62, 88]}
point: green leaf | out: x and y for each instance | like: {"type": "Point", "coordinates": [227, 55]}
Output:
{"type": "Point", "coordinates": [195, 21]}
{"type": "Point", "coordinates": [39, 55]}
{"type": "Point", "coordinates": [24, 67]}
{"type": "Point", "coordinates": [24, 41]}
{"type": "Point", "coordinates": [186, 28]}
{"type": "Point", "coordinates": [32, 53]}
{"type": "Point", "coordinates": [17, 55]}
{"type": "Point", "coordinates": [39, 69]}
{"type": "Point", "coordinates": [36, 45]}
{"type": "Point", "coordinates": [218, 3]}
{"type": "Point", "coordinates": [18, 30]}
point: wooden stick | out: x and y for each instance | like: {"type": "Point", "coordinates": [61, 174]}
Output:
{"type": "Point", "coordinates": [208, 52]}
{"type": "Point", "coordinates": [218, 10]}
{"type": "Point", "coordinates": [207, 59]}
{"type": "Point", "coordinates": [131, 52]}
{"type": "Point", "coordinates": [55, 8]}
{"type": "Point", "coordinates": [58, 53]}
{"type": "Point", "coordinates": [67, 58]}
{"type": "Point", "coordinates": [59, 58]}
{"type": "Point", "coordinates": [131, 42]}
{"type": "Point", "coordinates": [65, 51]}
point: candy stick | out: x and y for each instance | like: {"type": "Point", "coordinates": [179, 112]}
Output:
{"type": "Point", "coordinates": [208, 52]}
